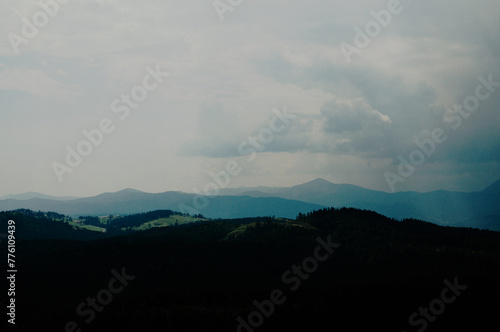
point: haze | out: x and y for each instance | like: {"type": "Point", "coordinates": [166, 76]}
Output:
{"type": "Point", "coordinates": [352, 118]}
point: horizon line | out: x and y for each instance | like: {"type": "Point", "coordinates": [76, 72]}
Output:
{"type": "Point", "coordinates": [71, 197]}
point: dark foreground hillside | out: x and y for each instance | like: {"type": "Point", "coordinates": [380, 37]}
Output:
{"type": "Point", "coordinates": [215, 275]}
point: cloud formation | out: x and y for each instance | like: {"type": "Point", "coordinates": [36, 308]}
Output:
{"type": "Point", "coordinates": [352, 119]}
{"type": "Point", "coordinates": [351, 116]}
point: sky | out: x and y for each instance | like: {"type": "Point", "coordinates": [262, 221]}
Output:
{"type": "Point", "coordinates": [101, 95]}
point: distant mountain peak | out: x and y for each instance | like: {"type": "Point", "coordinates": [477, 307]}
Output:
{"type": "Point", "coordinates": [129, 190]}
{"type": "Point", "coordinates": [320, 181]}
{"type": "Point", "coordinates": [317, 184]}
{"type": "Point", "coordinates": [122, 193]}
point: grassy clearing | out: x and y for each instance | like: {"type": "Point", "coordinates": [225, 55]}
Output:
{"type": "Point", "coordinates": [162, 222]}
{"type": "Point", "coordinates": [87, 227]}
{"type": "Point", "coordinates": [238, 231]}
{"type": "Point", "coordinates": [165, 222]}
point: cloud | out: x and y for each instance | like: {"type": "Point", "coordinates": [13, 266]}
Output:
{"type": "Point", "coordinates": [351, 116]}
{"type": "Point", "coordinates": [226, 77]}
{"type": "Point", "coordinates": [217, 133]}
{"type": "Point", "coordinates": [35, 82]}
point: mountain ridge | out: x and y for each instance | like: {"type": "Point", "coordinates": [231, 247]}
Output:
{"type": "Point", "coordinates": [32, 194]}
{"type": "Point", "coordinates": [126, 202]}
{"type": "Point", "coordinates": [442, 207]}
{"type": "Point", "coordinates": [449, 208]}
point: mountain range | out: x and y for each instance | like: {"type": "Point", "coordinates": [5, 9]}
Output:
{"type": "Point", "coordinates": [129, 201]}
{"type": "Point", "coordinates": [474, 209]}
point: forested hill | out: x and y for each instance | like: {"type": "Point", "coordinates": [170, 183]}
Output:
{"type": "Point", "coordinates": [205, 275]}
{"type": "Point", "coordinates": [51, 225]}
{"type": "Point", "coordinates": [44, 225]}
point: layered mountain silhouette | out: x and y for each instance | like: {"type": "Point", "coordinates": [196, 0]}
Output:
{"type": "Point", "coordinates": [31, 194]}
{"type": "Point", "coordinates": [129, 201]}
{"type": "Point", "coordinates": [475, 209]}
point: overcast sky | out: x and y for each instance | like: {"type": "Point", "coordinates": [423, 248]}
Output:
{"type": "Point", "coordinates": [349, 120]}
